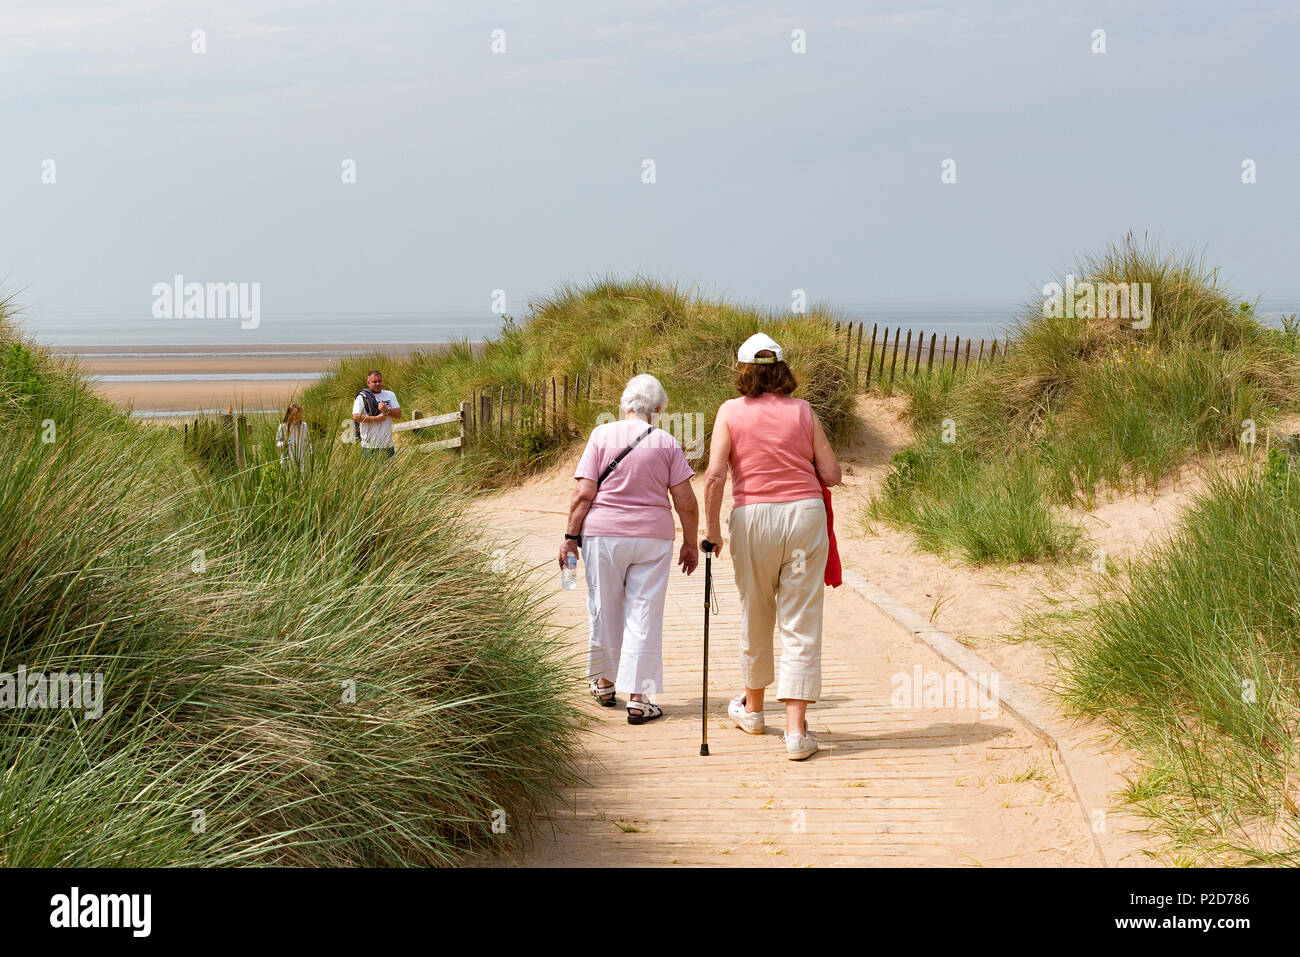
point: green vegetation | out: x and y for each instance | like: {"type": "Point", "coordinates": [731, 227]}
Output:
{"type": "Point", "coordinates": [1194, 655]}
{"type": "Point", "coordinates": [297, 669]}
{"type": "Point", "coordinates": [601, 329]}
{"type": "Point", "coordinates": [1083, 403]}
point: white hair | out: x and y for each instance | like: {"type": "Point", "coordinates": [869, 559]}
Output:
{"type": "Point", "coordinates": [643, 395]}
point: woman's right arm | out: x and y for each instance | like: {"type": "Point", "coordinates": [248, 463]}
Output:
{"type": "Point", "coordinates": [584, 490]}
{"type": "Point", "coordinates": [715, 480]}
{"type": "Point", "coordinates": [827, 465]}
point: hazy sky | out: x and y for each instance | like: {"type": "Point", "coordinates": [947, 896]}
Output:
{"type": "Point", "coordinates": [774, 170]}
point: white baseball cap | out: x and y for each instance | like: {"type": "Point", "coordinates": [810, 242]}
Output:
{"type": "Point", "coordinates": [756, 343]}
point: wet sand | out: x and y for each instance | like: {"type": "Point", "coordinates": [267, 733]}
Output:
{"type": "Point", "coordinates": [189, 378]}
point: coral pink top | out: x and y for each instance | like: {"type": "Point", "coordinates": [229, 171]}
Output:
{"type": "Point", "coordinates": [771, 449]}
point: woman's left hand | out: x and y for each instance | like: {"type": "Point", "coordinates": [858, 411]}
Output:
{"type": "Point", "coordinates": [569, 547]}
{"type": "Point", "coordinates": [688, 558]}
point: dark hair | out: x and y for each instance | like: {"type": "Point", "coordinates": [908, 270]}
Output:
{"type": "Point", "coordinates": [374, 372]}
{"type": "Point", "coordinates": [753, 379]}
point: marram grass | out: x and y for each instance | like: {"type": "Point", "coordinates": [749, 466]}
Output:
{"type": "Point", "coordinates": [300, 668]}
{"type": "Point", "coordinates": [1083, 405]}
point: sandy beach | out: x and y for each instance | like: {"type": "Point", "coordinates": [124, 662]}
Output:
{"type": "Point", "coordinates": [167, 378]}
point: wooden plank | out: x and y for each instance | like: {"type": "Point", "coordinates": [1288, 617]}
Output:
{"type": "Point", "coordinates": [453, 443]}
{"type": "Point", "coordinates": [444, 418]}
{"type": "Point", "coordinates": [907, 352]}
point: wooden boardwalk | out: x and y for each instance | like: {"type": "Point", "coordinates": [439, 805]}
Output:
{"type": "Point", "coordinates": [894, 784]}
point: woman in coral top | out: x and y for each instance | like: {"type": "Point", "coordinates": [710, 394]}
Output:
{"type": "Point", "coordinates": [775, 450]}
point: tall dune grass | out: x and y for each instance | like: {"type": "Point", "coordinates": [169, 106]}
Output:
{"type": "Point", "coordinates": [1194, 655]}
{"type": "Point", "coordinates": [305, 668]}
{"type": "Point", "coordinates": [1083, 404]}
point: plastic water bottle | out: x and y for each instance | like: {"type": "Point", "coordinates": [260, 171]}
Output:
{"type": "Point", "coordinates": [569, 574]}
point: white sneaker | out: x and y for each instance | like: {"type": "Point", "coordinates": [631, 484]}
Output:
{"type": "Point", "coordinates": [749, 721]}
{"type": "Point", "coordinates": [800, 746]}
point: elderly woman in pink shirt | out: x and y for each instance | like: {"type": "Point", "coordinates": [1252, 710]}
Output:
{"type": "Point", "coordinates": [619, 517]}
{"type": "Point", "coordinates": [776, 451]}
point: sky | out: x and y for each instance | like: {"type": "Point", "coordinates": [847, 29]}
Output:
{"type": "Point", "coordinates": [774, 170]}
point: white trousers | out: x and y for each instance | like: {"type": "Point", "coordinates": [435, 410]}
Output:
{"type": "Point", "coordinates": [627, 579]}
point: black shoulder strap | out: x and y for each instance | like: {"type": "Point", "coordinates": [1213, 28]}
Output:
{"type": "Point", "coordinates": [368, 401]}
{"type": "Point", "coordinates": [621, 456]}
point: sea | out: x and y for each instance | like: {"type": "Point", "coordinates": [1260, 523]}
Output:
{"type": "Point", "coordinates": [985, 319]}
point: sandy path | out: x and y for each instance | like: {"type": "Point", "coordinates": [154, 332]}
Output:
{"type": "Point", "coordinates": [894, 784]}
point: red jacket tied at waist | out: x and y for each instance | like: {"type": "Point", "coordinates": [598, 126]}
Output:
{"type": "Point", "coordinates": [834, 571]}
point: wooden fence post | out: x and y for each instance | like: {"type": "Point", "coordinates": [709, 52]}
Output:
{"type": "Point", "coordinates": [907, 352]}
{"type": "Point", "coordinates": [956, 348]}
{"type": "Point", "coordinates": [555, 409]}
{"type": "Point", "coordinates": [966, 364]}
{"type": "Point", "coordinates": [240, 424]}
{"type": "Point", "coordinates": [464, 421]}
{"type": "Point", "coordinates": [898, 331]}
{"type": "Point", "coordinates": [871, 353]}
{"type": "Point", "coordinates": [857, 358]}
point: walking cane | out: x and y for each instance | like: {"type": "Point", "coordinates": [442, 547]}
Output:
{"type": "Point", "coordinates": [708, 547]}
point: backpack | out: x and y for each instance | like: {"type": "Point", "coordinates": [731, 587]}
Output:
{"type": "Point", "coordinates": [370, 404]}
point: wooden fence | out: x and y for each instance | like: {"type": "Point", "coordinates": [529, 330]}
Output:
{"type": "Point", "coordinates": [881, 362]}
{"type": "Point", "coordinates": [545, 406]}
{"type": "Point", "coordinates": [542, 407]}
{"type": "Point", "coordinates": [419, 420]}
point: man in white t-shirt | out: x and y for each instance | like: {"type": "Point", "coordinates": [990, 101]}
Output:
{"type": "Point", "coordinates": [374, 417]}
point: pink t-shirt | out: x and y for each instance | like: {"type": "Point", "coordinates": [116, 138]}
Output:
{"type": "Point", "coordinates": [771, 449]}
{"type": "Point", "coordinates": [633, 501]}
